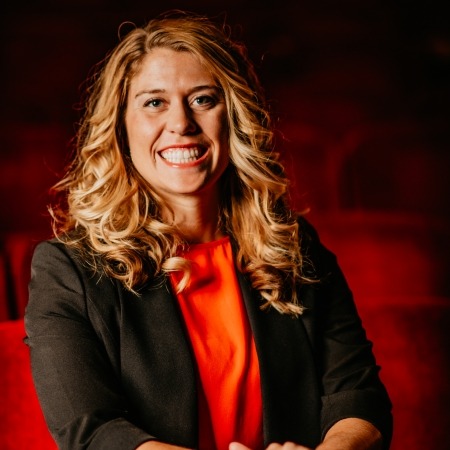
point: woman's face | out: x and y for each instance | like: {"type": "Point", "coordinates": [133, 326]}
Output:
{"type": "Point", "coordinates": [176, 122]}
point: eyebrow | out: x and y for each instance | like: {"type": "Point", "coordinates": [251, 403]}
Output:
{"type": "Point", "coordinates": [191, 91]}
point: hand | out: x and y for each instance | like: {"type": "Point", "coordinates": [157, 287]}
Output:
{"type": "Point", "coordinates": [348, 434]}
{"type": "Point", "coordinates": [274, 446]}
{"type": "Point", "coordinates": [156, 445]}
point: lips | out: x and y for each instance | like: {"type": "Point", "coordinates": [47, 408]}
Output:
{"type": "Point", "coordinates": [182, 155]}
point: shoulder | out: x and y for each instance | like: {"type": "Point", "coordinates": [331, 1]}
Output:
{"type": "Point", "coordinates": [66, 295]}
{"type": "Point", "coordinates": [328, 294]}
{"type": "Point", "coordinates": [309, 238]}
{"type": "Point", "coordinates": [318, 261]}
{"type": "Point", "coordinates": [63, 270]}
{"type": "Point", "coordinates": [55, 254]}
{"type": "Point", "coordinates": [52, 249]}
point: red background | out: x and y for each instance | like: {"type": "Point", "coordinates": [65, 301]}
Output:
{"type": "Point", "coordinates": [361, 94]}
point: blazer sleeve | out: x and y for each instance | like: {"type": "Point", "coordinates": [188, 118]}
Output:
{"type": "Point", "coordinates": [75, 378]}
{"type": "Point", "coordinates": [350, 381]}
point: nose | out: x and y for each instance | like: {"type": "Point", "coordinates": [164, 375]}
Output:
{"type": "Point", "coordinates": [180, 120]}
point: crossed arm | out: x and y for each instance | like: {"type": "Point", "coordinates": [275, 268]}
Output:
{"type": "Point", "coordinates": [347, 434]}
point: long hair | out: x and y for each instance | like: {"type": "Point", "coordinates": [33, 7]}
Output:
{"type": "Point", "coordinates": [112, 215]}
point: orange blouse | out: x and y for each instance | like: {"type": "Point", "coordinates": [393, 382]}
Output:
{"type": "Point", "coordinates": [230, 405]}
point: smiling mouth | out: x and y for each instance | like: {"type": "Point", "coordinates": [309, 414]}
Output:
{"type": "Point", "coordinates": [182, 155]}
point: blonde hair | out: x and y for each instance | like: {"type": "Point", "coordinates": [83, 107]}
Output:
{"type": "Point", "coordinates": [113, 216]}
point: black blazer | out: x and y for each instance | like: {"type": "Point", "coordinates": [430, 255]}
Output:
{"type": "Point", "coordinates": [114, 369]}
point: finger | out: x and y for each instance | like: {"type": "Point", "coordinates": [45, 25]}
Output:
{"type": "Point", "coordinates": [292, 446]}
{"type": "Point", "coordinates": [287, 446]}
{"type": "Point", "coordinates": [237, 446]}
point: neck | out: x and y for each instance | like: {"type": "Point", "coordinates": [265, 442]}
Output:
{"type": "Point", "coordinates": [196, 217]}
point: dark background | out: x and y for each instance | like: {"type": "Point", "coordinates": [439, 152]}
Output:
{"type": "Point", "coordinates": [360, 91]}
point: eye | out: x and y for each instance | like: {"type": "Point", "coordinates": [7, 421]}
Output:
{"type": "Point", "coordinates": [153, 103]}
{"type": "Point", "coordinates": [204, 101]}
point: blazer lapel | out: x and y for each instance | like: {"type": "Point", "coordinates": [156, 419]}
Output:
{"type": "Point", "coordinates": [289, 385]}
{"type": "Point", "coordinates": [290, 393]}
{"type": "Point", "coordinates": [167, 378]}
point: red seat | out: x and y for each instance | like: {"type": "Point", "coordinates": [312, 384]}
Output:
{"type": "Point", "coordinates": [16, 251]}
{"type": "Point", "coordinates": [22, 424]}
{"type": "Point", "coordinates": [411, 343]}
{"type": "Point", "coordinates": [397, 268]}
{"type": "Point", "coordinates": [4, 307]}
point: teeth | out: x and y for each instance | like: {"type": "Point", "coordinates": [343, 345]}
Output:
{"type": "Point", "coordinates": [181, 156]}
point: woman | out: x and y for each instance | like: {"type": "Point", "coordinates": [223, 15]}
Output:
{"type": "Point", "coordinates": [182, 303]}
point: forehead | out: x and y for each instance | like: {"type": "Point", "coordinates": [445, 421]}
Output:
{"type": "Point", "coordinates": [166, 66]}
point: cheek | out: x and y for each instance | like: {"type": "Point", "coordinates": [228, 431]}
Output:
{"type": "Point", "coordinates": [136, 161]}
{"type": "Point", "coordinates": [129, 131]}
{"type": "Point", "coordinates": [139, 125]}
{"type": "Point", "coordinates": [134, 131]}
{"type": "Point", "coordinates": [137, 145]}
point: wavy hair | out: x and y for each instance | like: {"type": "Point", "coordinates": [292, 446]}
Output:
{"type": "Point", "coordinates": [112, 215]}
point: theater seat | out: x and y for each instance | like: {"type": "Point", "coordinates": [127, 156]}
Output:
{"type": "Point", "coordinates": [22, 424]}
{"type": "Point", "coordinates": [397, 268]}
{"type": "Point", "coordinates": [16, 250]}
{"type": "Point", "coordinates": [411, 343]}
